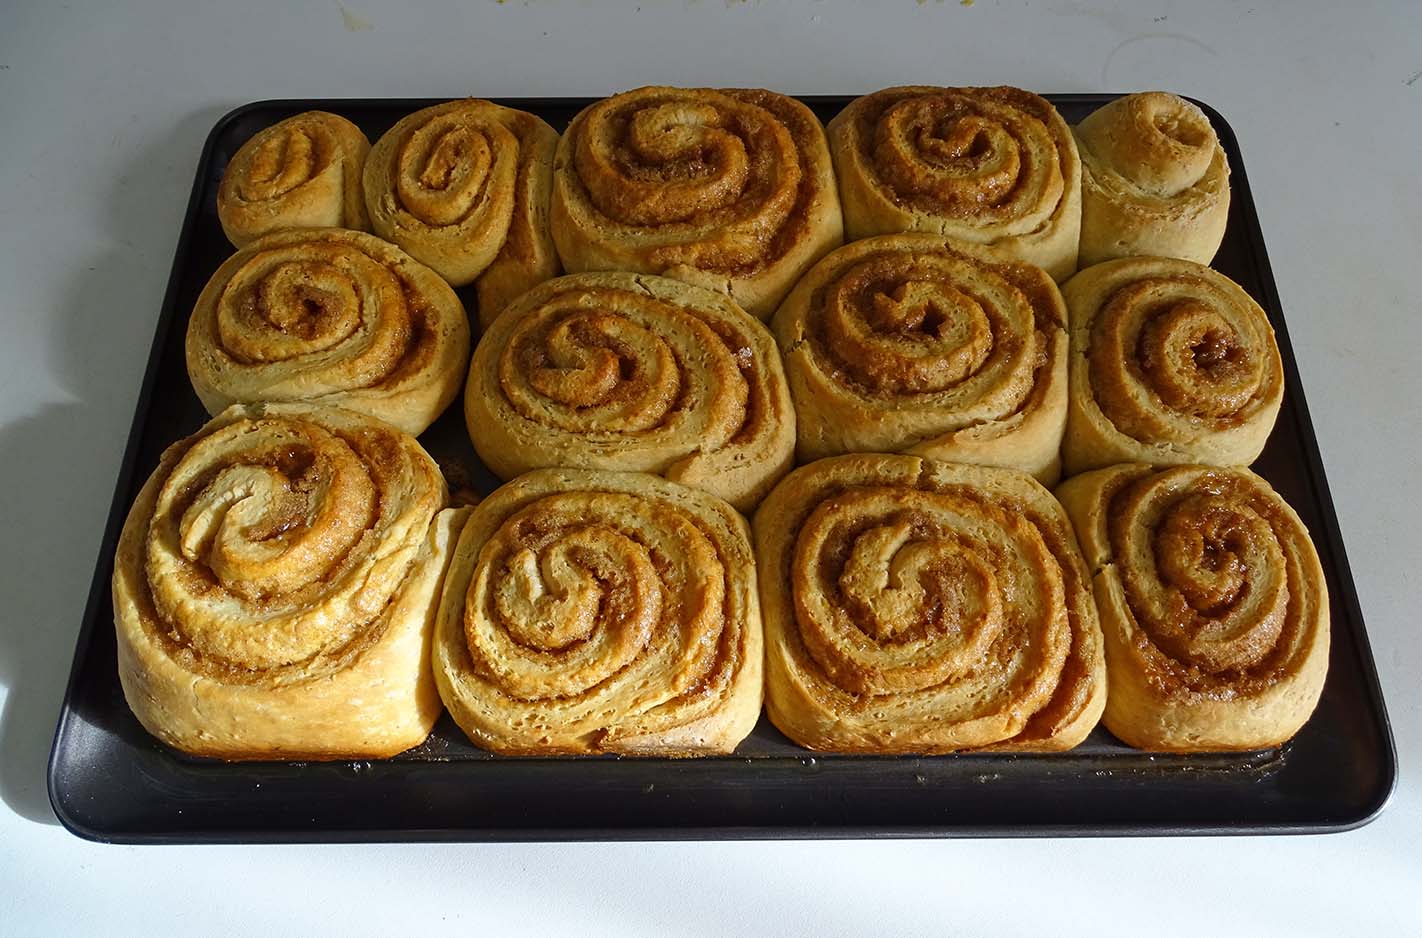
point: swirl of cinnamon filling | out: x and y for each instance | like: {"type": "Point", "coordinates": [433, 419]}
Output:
{"type": "Point", "coordinates": [1212, 601]}
{"type": "Point", "coordinates": [916, 343]}
{"type": "Point", "coordinates": [917, 606]}
{"type": "Point", "coordinates": [330, 317]}
{"type": "Point", "coordinates": [986, 165]}
{"type": "Point", "coordinates": [633, 372]}
{"type": "Point", "coordinates": [1171, 363]}
{"type": "Point", "coordinates": [731, 190]}
{"type": "Point", "coordinates": [592, 611]}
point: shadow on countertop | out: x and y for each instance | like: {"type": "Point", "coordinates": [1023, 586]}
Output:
{"type": "Point", "coordinates": [55, 506]}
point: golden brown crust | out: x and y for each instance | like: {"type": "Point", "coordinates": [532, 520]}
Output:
{"type": "Point", "coordinates": [1212, 602]}
{"type": "Point", "coordinates": [275, 587]}
{"type": "Point", "coordinates": [633, 372]}
{"type": "Point", "coordinates": [330, 317]}
{"type": "Point", "coordinates": [919, 606]}
{"type": "Point", "coordinates": [729, 189]}
{"type": "Point", "coordinates": [590, 611]}
{"type": "Point", "coordinates": [463, 187]}
{"type": "Point", "coordinates": [303, 172]}
{"type": "Point", "coordinates": [986, 165]}
{"type": "Point", "coordinates": [921, 344]}
{"type": "Point", "coordinates": [1171, 362]}
{"type": "Point", "coordinates": [528, 256]}
{"type": "Point", "coordinates": [1154, 180]}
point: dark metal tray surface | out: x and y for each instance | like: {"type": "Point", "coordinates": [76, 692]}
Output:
{"type": "Point", "coordinates": [110, 781]}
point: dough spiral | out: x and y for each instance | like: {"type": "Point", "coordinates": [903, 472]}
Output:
{"type": "Point", "coordinates": [463, 187]}
{"type": "Point", "coordinates": [1171, 362]}
{"type": "Point", "coordinates": [1212, 601]}
{"type": "Point", "coordinates": [330, 317]}
{"type": "Point", "coordinates": [1154, 180]}
{"type": "Point", "coordinates": [303, 172]}
{"type": "Point", "coordinates": [633, 372]}
{"type": "Point", "coordinates": [592, 611]}
{"type": "Point", "coordinates": [988, 165]}
{"type": "Point", "coordinates": [275, 587]}
{"type": "Point", "coordinates": [917, 343]}
{"type": "Point", "coordinates": [918, 606]}
{"type": "Point", "coordinates": [731, 190]}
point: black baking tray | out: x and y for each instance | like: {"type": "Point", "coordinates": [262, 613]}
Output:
{"type": "Point", "coordinates": [110, 781]}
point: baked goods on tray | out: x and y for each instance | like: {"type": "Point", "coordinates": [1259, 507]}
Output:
{"type": "Point", "coordinates": [1154, 180]}
{"type": "Point", "coordinates": [303, 172]}
{"type": "Point", "coordinates": [329, 317]}
{"type": "Point", "coordinates": [1171, 362]}
{"type": "Point", "coordinates": [731, 190]}
{"type": "Point", "coordinates": [1212, 601]}
{"type": "Point", "coordinates": [275, 583]}
{"type": "Point", "coordinates": [633, 372]}
{"type": "Point", "coordinates": [988, 165]}
{"type": "Point", "coordinates": [463, 187]}
{"type": "Point", "coordinates": [589, 611]}
{"type": "Point", "coordinates": [914, 606]}
{"type": "Point", "coordinates": [291, 583]}
{"type": "Point", "coordinates": [921, 344]}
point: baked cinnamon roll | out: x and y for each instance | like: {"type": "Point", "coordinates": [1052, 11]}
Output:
{"type": "Point", "coordinates": [732, 190]}
{"type": "Point", "coordinates": [1171, 362]}
{"type": "Point", "coordinates": [275, 587]}
{"type": "Point", "coordinates": [463, 187]}
{"type": "Point", "coordinates": [633, 372]}
{"type": "Point", "coordinates": [1212, 602]}
{"type": "Point", "coordinates": [914, 606]}
{"type": "Point", "coordinates": [1154, 180]}
{"type": "Point", "coordinates": [989, 165]}
{"type": "Point", "coordinates": [921, 344]}
{"type": "Point", "coordinates": [303, 172]}
{"type": "Point", "coordinates": [601, 612]}
{"type": "Point", "coordinates": [330, 317]}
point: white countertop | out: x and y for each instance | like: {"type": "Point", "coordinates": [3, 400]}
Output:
{"type": "Point", "coordinates": [103, 110]}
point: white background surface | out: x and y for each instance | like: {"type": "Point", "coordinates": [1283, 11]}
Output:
{"type": "Point", "coordinates": [102, 114]}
